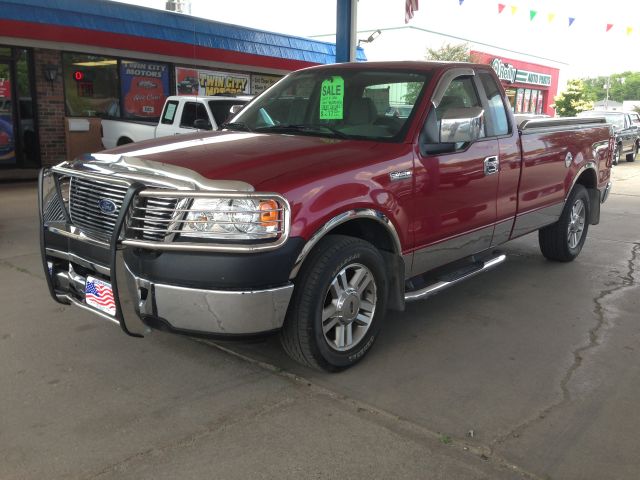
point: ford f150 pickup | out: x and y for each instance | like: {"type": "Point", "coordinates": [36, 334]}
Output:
{"type": "Point", "coordinates": [180, 114]}
{"type": "Point", "coordinates": [313, 212]}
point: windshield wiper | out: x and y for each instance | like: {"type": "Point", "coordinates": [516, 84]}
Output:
{"type": "Point", "coordinates": [295, 128]}
{"type": "Point", "coordinates": [236, 126]}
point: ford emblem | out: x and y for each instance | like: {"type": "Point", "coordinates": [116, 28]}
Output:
{"type": "Point", "coordinates": [106, 206]}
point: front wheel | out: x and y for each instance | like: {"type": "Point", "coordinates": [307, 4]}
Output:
{"type": "Point", "coordinates": [563, 240]}
{"type": "Point", "coordinates": [338, 304]}
{"type": "Point", "coordinates": [616, 154]}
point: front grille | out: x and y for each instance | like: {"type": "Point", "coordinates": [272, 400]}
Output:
{"type": "Point", "coordinates": [152, 217]}
{"type": "Point", "coordinates": [84, 208]}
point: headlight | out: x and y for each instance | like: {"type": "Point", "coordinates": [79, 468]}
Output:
{"type": "Point", "coordinates": [227, 218]}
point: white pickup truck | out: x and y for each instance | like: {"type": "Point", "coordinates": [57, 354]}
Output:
{"type": "Point", "coordinates": [181, 114]}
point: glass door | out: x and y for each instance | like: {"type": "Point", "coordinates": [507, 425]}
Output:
{"type": "Point", "coordinates": [7, 137]}
{"type": "Point", "coordinates": [19, 145]}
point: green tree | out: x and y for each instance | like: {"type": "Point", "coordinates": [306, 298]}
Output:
{"type": "Point", "coordinates": [622, 86]}
{"type": "Point", "coordinates": [446, 53]}
{"type": "Point", "coordinates": [573, 100]}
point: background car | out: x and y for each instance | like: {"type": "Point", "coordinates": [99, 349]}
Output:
{"type": "Point", "coordinates": [627, 132]}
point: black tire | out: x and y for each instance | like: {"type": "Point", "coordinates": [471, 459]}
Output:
{"type": "Point", "coordinates": [631, 157]}
{"type": "Point", "coordinates": [302, 336]}
{"type": "Point", "coordinates": [124, 141]}
{"type": "Point", "coordinates": [558, 241]}
{"type": "Point", "coordinates": [617, 153]}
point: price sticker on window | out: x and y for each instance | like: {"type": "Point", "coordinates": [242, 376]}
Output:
{"type": "Point", "coordinates": [332, 99]}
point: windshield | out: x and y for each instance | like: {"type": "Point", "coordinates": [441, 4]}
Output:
{"type": "Point", "coordinates": [336, 103]}
{"type": "Point", "coordinates": [616, 119]}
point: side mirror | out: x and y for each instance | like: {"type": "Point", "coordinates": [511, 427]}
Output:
{"type": "Point", "coordinates": [235, 109]}
{"type": "Point", "coordinates": [461, 125]}
{"type": "Point", "coordinates": [202, 124]}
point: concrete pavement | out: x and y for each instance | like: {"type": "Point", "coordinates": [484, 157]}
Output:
{"type": "Point", "coordinates": [527, 371]}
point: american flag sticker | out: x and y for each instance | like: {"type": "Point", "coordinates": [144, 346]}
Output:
{"type": "Point", "coordinates": [98, 294]}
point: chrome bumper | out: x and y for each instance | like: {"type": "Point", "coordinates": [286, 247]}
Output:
{"type": "Point", "coordinates": [190, 310]}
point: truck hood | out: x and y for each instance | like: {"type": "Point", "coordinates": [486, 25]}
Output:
{"type": "Point", "coordinates": [261, 160]}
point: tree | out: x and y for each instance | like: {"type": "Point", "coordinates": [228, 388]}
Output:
{"type": "Point", "coordinates": [446, 53]}
{"type": "Point", "coordinates": [450, 53]}
{"type": "Point", "coordinates": [622, 86]}
{"type": "Point", "coordinates": [573, 100]}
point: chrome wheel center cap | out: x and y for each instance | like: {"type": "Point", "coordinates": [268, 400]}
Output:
{"type": "Point", "coordinates": [348, 305]}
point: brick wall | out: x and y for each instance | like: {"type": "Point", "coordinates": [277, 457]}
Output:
{"type": "Point", "coordinates": [50, 104]}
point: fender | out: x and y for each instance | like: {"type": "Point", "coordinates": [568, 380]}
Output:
{"type": "Point", "coordinates": [367, 213]}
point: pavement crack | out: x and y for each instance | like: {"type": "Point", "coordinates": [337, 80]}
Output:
{"type": "Point", "coordinates": [16, 268]}
{"type": "Point", "coordinates": [188, 440]}
{"type": "Point", "coordinates": [392, 422]}
{"type": "Point", "coordinates": [627, 280]}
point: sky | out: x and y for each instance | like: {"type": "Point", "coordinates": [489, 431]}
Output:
{"type": "Point", "coordinates": [585, 48]}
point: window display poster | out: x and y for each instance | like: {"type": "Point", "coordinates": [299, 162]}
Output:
{"type": "Point", "coordinates": [540, 105]}
{"type": "Point", "coordinates": [534, 101]}
{"type": "Point", "coordinates": [519, 98]}
{"type": "Point", "coordinates": [527, 100]}
{"type": "Point", "coordinates": [145, 87]}
{"type": "Point", "coordinates": [191, 81]}
{"type": "Point", "coordinates": [259, 83]}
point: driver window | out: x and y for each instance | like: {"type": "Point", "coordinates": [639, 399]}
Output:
{"type": "Point", "coordinates": [461, 93]}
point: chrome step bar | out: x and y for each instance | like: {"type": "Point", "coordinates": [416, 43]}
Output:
{"type": "Point", "coordinates": [443, 284]}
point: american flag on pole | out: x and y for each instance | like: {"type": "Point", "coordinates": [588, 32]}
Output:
{"type": "Point", "coordinates": [410, 6]}
{"type": "Point", "coordinates": [99, 294]}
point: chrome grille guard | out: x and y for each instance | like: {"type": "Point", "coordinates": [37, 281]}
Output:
{"type": "Point", "coordinates": [154, 217]}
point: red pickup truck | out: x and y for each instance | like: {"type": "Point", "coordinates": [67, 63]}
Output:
{"type": "Point", "coordinates": [313, 212]}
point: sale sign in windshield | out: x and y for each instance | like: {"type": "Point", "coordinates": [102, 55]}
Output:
{"type": "Point", "coordinates": [145, 87]}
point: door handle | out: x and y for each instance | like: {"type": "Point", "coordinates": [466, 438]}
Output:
{"type": "Point", "coordinates": [491, 165]}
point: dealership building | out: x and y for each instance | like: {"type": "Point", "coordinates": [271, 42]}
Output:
{"type": "Point", "coordinates": [64, 65]}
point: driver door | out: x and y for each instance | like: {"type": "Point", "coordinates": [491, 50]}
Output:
{"type": "Point", "coordinates": [456, 184]}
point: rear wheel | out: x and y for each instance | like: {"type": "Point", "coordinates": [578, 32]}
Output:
{"type": "Point", "coordinates": [631, 157]}
{"type": "Point", "coordinates": [563, 240]}
{"type": "Point", "coordinates": [338, 304]}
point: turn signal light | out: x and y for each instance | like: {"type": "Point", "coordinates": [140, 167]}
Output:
{"type": "Point", "coordinates": [269, 213]}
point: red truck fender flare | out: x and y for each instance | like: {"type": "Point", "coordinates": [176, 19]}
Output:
{"type": "Point", "coordinates": [344, 217]}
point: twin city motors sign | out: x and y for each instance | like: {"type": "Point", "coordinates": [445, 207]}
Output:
{"type": "Point", "coordinates": [511, 74]}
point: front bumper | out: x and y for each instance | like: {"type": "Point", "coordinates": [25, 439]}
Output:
{"type": "Point", "coordinates": [223, 305]}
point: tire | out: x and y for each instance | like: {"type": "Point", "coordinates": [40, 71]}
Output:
{"type": "Point", "coordinates": [631, 157]}
{"type": "Point", "coordinates": [324, 290]}
{"type": "Point", "coordinates": [563, 240]}
{"type": "Point", "coordinates": [124, 141]}
{"type": "Point", "coordinates": [616, 154]}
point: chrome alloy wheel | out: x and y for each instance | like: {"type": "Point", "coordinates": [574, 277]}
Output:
{"type": "Point", "coordinates": [577, 219]}
{"type": "Point", "coordinates": [349, 307]}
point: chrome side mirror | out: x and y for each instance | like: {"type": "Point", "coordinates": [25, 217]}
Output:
{"type": "Point", "coordinates": [461, 125]}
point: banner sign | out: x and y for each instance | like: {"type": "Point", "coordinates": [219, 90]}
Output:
{"type": "Point", "coordinates": [533, 77]}
{"type": "Point", "coordinates": [505, 71]}
{"type": "Point", "coordinates": [145, 87]}
{"type": "Point", "coordinates": [511, 74]}
{"type": "Point", "coordinates": [191, 81]}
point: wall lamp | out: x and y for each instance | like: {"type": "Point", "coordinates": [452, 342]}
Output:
{"type": "Point", "coordinates": [371, 37]}
{"type": "Point", "coordinates": [50, 72]}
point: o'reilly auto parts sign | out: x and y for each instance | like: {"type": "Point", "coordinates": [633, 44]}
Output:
{"type": "Point", "coordinates": [511, 74]}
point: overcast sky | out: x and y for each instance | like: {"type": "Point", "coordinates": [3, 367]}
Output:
{"type": "Point", "coordinates": [585, 46]}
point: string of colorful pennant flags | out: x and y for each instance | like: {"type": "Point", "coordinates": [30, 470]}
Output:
{"type": "Point", "coordinates": [550, 16]}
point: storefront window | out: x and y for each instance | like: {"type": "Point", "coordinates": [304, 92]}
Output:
{"type": "Point", "coordinates": [144, 87]}
{"type": "Point", "coordinates": [511, 95]}
{"type": "Point", "coordinates": [540, 105]}
{"type": "Point", "coordinates": [91, 85]}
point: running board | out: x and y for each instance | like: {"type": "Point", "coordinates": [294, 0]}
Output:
{"type": "Point", "coordinates": [443, 284]}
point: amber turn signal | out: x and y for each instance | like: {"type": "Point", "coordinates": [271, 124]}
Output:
{"type": "Point", "coordinates": [269, 213]}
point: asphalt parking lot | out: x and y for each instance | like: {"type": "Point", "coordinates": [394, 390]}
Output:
{"type": "Point", "coordinates": [528, 371]}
